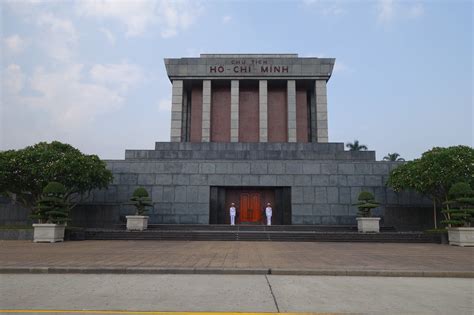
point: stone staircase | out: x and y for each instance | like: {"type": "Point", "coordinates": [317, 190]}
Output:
{"type": "Point", "coordinates": [293, 233]}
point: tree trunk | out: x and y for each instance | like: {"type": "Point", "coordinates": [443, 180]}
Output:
{"type": "Point", "coordinates": [434, 213]}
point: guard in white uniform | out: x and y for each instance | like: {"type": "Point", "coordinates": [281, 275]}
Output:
{"type": "Point", "coordinates": [232, 212]}
{"type": "Point", "coordinates": [268, 213]}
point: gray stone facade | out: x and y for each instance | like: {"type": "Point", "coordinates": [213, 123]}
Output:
{"type": "Point", "coordinates": [324, 179]}
{"type": "Point", "coordinates": [249, 65]}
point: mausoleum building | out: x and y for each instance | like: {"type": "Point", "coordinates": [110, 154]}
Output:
{"type": "Point", "coordinates": [250, 129]}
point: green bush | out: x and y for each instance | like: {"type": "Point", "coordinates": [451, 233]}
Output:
{"type": "Point", "coordinates": [140, 192]}
{"type": "Point", "coordinates": [52, 206]}
{"type": "Point", "coordinates": [24, 173]}
{"type": "Point", "coordinates": [366, 202]}
{"type": "Point", "coordinates": [365, 195]}
{"type": "Point", "coordinates": [434, 173]}
{"type": "Point", "coordinates": [141, 200]}
{"type": "Point", "coordinates": [460, 207]}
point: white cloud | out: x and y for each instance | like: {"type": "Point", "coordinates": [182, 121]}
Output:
{"type": "Point", "coordinates": [226, 19]}
{"type": "Point", "coordinates": [341, 67]}
{"type": "Point", "coordinates": [57, 24]}
{"type": "Point", "coordinates": [14, 44]}
{"type": "Point", "coordinates": [416, 10]}
{"type": "Point", "coordinates": [329, 8]}
{"type": "Point", "coordinates": [122, 75]}
{"type": "Point", "coordinates": [69, 99]}
{"type": "Point", "coordinates": [164, 105]}
{"type": "Point", "coordinates": [174, 16]}
{"type": "Point", "coordinates": [71, 96]}
{"type": "Point", "coordinates": [385, 11]}
{"type": "Point", "coordinates": [139, 15]}
{"type": "Point", "coordinates": [12, 79]}
{"type": "Point", "coordinates": [389, 10]}
{"type": "Point", "coordinates": [108, 34]}
{"type": "Point", "coordinates": [59, 38]}
{"type": "Point", "coordinates": [168, 33]}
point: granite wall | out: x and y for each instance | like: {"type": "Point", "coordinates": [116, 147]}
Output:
{"type": "Point", "coordinates": [325, 181]}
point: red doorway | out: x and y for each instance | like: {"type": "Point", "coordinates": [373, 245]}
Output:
{"type": "Point", "coordinates": [250, 208]}
{"type": "Point", "coordinates": [250, 203]}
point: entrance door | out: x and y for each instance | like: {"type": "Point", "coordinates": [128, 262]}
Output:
{"type": "Point", "coordinates": [250, 211]}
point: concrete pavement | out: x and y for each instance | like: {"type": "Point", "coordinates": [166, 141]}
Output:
{"type": "Point", "coordinates": [237, 293]}
{"type": "Point", "coordinates": [317, 258]}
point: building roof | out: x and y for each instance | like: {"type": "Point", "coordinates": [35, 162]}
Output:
{"type": "Point", "coordinates": [249, 66]}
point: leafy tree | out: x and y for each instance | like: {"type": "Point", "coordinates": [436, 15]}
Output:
{"type": "Point", "coordinates": [356, 146]}
{"type": "Point", "coordinates": [24, 173]}
{"type": "Point", "coordinates": [393, 157]}
{"type": "Point", "coordinates": [52, 206]}
{"type": "Point", "coordinates": [460, 207]}
{"type": "Point", "coordinates": [434, 173]}
{"type": "Point", "coordinates": [141, 200]}
{"type": "Point", "coordinates": [366, 202]}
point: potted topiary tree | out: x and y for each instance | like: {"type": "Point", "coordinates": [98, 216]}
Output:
{"type": "Point", "coordinates": [141, 201]}
{"type": "Point", "coordinates": [52, 213]}
{"type": "Point", "coordinates": [365, 222]}
{"type": "Point", "coordinates": [460, 213]}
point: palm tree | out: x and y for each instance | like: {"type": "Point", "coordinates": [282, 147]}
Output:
{"type": "Point", "coordinates": [393, 157]}
{"type": "Point", "coordinates": [356, 146]}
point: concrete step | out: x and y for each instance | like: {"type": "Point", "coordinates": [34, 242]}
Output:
{"type": "Point", "coordinates": [248, 155]}
{"type": "Point", "coordinates": [285, 236]}
{"type": "Point", "coordinates": [256, 146]}
{"type": "Point", "coordinates": [251, 227]}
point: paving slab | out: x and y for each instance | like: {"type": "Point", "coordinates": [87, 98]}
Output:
{"type": "Point", "coordinates": [305, 258]}
{"type": "Point", "coordinates": [137, 292]}
{"type": "Point", "coordinates": [373, 295]}
{"type": "Point", "coordinates": [235, 293]}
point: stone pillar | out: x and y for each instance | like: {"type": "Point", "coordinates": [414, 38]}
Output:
{"type": "Point", "coordinates": [321, 111]}
{"type": "Point", "coordinates": [263, 109]}
{"type": "Point", "coordinates": [234, 111]}
{"type": "Point", "coordinates": [291, 97]}
{"type": "Point", "coordinates": [206, 110]}
{"type": "Point", "coordinates": [176, 110]}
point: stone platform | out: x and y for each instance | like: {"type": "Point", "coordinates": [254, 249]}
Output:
{"type": "Point", "coordinates": [321, 181]}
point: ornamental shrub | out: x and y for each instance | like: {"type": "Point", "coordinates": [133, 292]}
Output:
{"type": "Point", "coordinates": [460, 208]}
{"type": "Point", "coordinates": [52, 206]}
{"type": "Point", "coordinates": [366, 202]}
{"type": "Point", "coordinates": [141, 200]}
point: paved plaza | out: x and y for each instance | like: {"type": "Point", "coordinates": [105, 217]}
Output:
{"type": "Point", "coordinates": [237, 293]}
{"type": "Point", "coordinates": [283, 257]}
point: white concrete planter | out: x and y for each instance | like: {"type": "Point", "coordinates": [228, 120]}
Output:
{"type": "Point", "coordinates": [368, 225]}
{"type": "Point", "coordinates": [137, 222]}
{"type": "Point", "coordinates": [461, 236]}
{"type": "Point", "coordinates": [48, 232]}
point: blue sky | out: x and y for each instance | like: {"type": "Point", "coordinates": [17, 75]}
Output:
{"type": "Point", "coordinates": [91, 73]}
